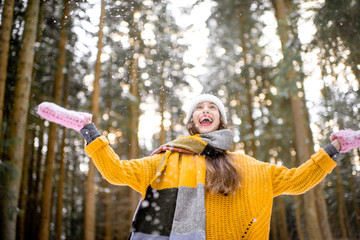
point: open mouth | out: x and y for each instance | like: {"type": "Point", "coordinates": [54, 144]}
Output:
{"type": "Point", "coordinates": [205, 120]}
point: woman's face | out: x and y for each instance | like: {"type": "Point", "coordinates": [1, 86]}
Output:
{"type": "Point", "coordinates": [206, 117]}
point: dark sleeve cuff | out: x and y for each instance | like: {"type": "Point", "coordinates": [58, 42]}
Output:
{"type": "Point", "coordinates": [331, 151]}
{"type": "Point", "coordinates": [90, 133]}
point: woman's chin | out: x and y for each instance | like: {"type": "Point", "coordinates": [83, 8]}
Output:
{"type": "Point", "coordinates": [205, 129]}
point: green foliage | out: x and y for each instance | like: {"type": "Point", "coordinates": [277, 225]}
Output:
{"type": "Point", "coordinates": [292, 57]}
{"type": "Point", "coordinates": [8, 174]}
{"type": "Point", "coordinates": [244, 74]}
{"type": "Point", "coordinates": [8, 143]}
{"type": "Point", "coordinates": [338, 33]}
{"type": "Point", "coordinates": [160, 67]}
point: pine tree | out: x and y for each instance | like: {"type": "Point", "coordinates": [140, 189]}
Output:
{"type": "Point", "coordinates": [15, 153]}
{"type": "Point", "coordinates": [50, 157]}
{"type": "Point", "coordinates": [6, 23]}
{"type": "Point", "coordinates": [89, 220]}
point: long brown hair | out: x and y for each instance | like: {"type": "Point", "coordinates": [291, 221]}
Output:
{"type": "Point", "coordinates": [222, 176]}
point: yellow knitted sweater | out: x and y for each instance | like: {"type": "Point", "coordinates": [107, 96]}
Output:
{"type": "Point", "coordinates": [244, 215]}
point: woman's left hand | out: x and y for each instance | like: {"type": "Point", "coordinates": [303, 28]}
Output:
{"type": "Point", "coordinates": [345, 140]}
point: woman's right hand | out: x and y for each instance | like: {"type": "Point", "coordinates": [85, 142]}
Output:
{"type": "Point", "coordinates": [62, 116]}
{"type": "Point", "coordinates": [336, 144]}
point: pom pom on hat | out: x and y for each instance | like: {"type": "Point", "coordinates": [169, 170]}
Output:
{"type": "Point", "coordinates": [205, 98]}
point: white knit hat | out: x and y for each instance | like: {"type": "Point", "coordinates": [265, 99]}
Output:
{"type": "Point", "coordinates": [205, 98]}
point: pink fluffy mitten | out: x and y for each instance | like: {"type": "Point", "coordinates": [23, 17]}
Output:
{"type": "Point", "coordinates": [64, 117]}
{"type": "Point", "coordinates": [348, 139]}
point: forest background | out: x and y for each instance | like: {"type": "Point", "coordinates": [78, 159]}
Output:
{"type": "Point", "coordinates": [284, 97]}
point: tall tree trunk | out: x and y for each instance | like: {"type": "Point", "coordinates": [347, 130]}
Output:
{"type": "Point", "coordinates": [354, 201]}
{"type": "Point", "coordinates": [32, 221]}
{"type": "Point", "coordinates": [59, 206]}
{"type": "Point", "coordinates": [26, 181]}
{"type": "Point", "coordinates": [30, 203]}
{"type": "Point", "coordinates": [302, 150]}
{"type": "Point", "coordinates": [19, 123]}
{"type": "Point", "coordinates": [89, 218]}
{"type": "Point", "coordinates": [278, 220]}
{"type": "Point", "coordinates": [299, 205]}
{"type": "Point", "coordinates": [341, 211]}
{"type": "Point", "coordinates": [249, 145]}
{"type": "Point", "coordinates": [322, 211]}
{"type": "Point", "coordinates": [282, 215]}
{"type": "Point", "coordinates": [29, 143]}
{"type": "Point", "coordinates": [299, 229]}
{"type": "Point", "coordinates": [162, 111]}
{"type": "Point", "coordinates": [33, 185]}
{"type": "Point", "coordinates": [134, 109]}
{"type": "Point", "coordinates": [302, 137]}
{"type": "Point", "coordinates": [321, 204]}
{"type": "Point", "coordinates": [50, 157]}
{"type": "Point", "coordinates": [30, 188]}
{"type": "Point", "coordinates": [38, 38]}
{"type": "Point", "coordinates": [274, 225]}
{"type": "Point", "coordinates": [121, 230]}
{"type": "Point", "coordinates": [134, 124]}
{"type": "Point", "coordinates": [250, 120]}
{"type": "Point", "coordinates": [72, 182]}
{"type": "Point", "coordinates": [6, 24]}
{"type": "Point", "coordinates": [108, 212]}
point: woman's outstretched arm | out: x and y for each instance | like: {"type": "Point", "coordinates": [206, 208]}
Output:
{"type": "Point", "coordinates": [309, 174]}
{"type": "Point", "coordinates": [136, 173]}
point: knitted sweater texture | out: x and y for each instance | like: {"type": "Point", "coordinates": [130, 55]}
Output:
{"type": "Point", "coordinates": [244, 215]}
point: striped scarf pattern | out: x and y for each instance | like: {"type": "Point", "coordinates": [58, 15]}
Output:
{"type": "Point", "coordinates": [174, 204]}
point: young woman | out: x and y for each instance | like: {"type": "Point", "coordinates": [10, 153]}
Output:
{"type": "Point", "coordinates": [195, 188]}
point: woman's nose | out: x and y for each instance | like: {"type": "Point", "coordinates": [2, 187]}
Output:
{"type": "Point", "coordinates": [205, 110]}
